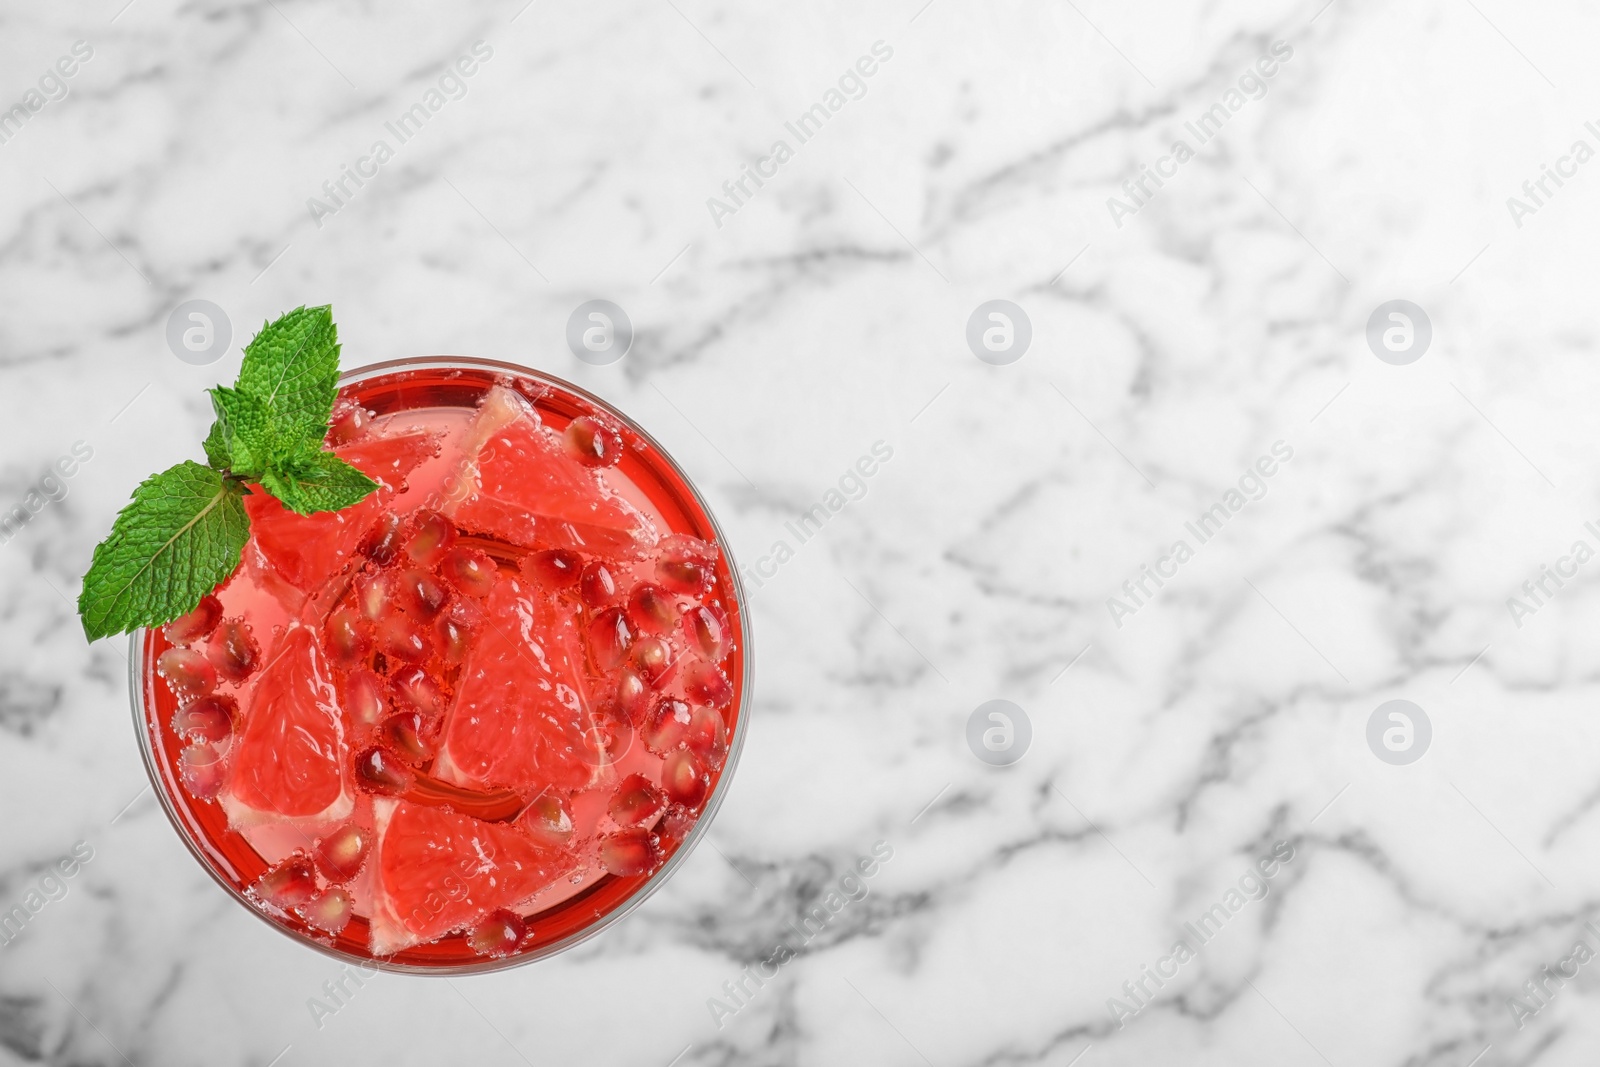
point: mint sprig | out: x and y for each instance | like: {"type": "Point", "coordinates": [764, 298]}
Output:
{"type": "Point", "coordinates": [185, 530]}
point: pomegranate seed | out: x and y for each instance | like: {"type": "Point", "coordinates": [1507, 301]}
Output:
{"type": "Point", "coordinates": [207, 718]}
{"type": "Point", "coordinates": [594, 440]}
{"type": "Point", "coordinates": [548, 820]}
{"type": "Point", "coordinates": [363, 698]}
{"type": "Point", "coordinates": [606, 740]}
{"type": "Point", "coordinates": [383, 540]}
{"type": "Point", "coordinates": [685, 778]}
{"type": "Point", "coordinates": [597, 585]}
{"type": "Point", "coordinates": [636, 801]}
{"type": "Point", "coordinates": [188, 673]}
{"type": "Point", "coordinates": [469, 570]}
{"type": "Point", "coordinates": [709, 630]}
{"type": "Point", "coordinates": [630, 852]}
{"type": "Point", "coordinates": [202, 771]}
{"type": "Point", "coordinates": [233, 651]}
{"type": "Point", "coordinates": [708, 736]}
{"type": "Point", "coordinates": [289, 884]}
{"type": "Point", "coordinates": [349, 423]}
{"type": "Point", "coordinates": [422, 593]}
{"type": "Point", "coordinates": [198, 624]}
{"type": "Point", "coordinates": [609, 638]}
{"type": "Point", "coordinates": [655, 658]}
{"type": "Point", "coordinates": [374, 596]}
{"type": "Point", "coordinates": [414, 689]}
{"type": "Point", "coordinates": [498, 934]}
{"type": "Point", "coordinates": [675, 824]}
{"type": "Point", "coordinates": [453, 639]}
{"type": "Point", "coordinates": [434, 536]}
{"type": "Point", "coordinates": [632, 701]}
{"type": "Point", "coordinates": [403, 639]}
{"type": "Point", "coordinates": [411, 736]}
{"type": "Point", "coordinates": [329, 911]}
{"type": "Point", "coordinates": [345, 640]}
{"type": "Point", "coordinates": [686, 564]}
{"type": "Point", "coordinates": [650, 609]}
{"type": "Point", "coordinates": [684, 576]}
{"type": "Point", "coordinates": [706, 684]}
{"type": "Point", "coordinates": [555, 568]}
{"type": "Point", "coordinates": [668, 728]}
{"type": "Point", "coordinates": [340, 855]}
{"type": "Point", "coordinates": [380, 771]}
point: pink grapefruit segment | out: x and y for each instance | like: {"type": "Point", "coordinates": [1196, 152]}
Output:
{"type": "Point", "coordinates": [440, 871]}
{"type": "Point", "coordinates": [291, 758]}
{"type": "Point", "coordinates": [522, 717]}
{"type": "Point", "coordinates": [531, 489]}
{"type": "Point", "coordinates": [307, 551]}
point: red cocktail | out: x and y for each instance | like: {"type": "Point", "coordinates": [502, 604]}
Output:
{"type": "Point", "coordinates": [474, 718]}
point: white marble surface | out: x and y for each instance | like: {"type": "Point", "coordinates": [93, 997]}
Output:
{"type": "Point", "coordinates": [826, 314]}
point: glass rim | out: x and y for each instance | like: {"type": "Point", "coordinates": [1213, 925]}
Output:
{"type": "Point", "coordinates": [702, 823]}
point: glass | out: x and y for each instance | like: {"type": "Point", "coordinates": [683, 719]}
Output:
{"type": "Point", "coordinates": [454, 382]}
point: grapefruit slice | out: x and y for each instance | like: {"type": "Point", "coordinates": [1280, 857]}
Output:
{"type": "Point", "coordinates": [306, 551]}
{"type": "Point", "coordinates": [291, 762]}
{"type": "Point", "coordinates": [531, 490]}
{"type": "Point", "coordinates": [522, 717]}
{"type": "Point", "coordinates": [437, 871]}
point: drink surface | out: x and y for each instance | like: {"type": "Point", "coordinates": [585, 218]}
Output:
{"type": "Point", "coordinates": [471, 716]}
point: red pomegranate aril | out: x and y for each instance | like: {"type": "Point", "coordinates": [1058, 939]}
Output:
{"type": "Point", "coordinates": [498, 934]}
{"type": "Point", "coordinates": [207, 718]}
{"type": "Point", "coordinates": [655, 658]}
{"type": "Point", "coordinates": [202, 771]}
{"type": "Point", "coordinates": [548, 820]}
{"type": "Point", "coordinates": [403, 639]}
{"type": "Point", "coordinates": [594, 441]}
{"type": "Point", "coordinates": [610, 636]}
{"type": "Point", "coordinates": [453, 639]}
{"type": "Point", "coordinates": [470, 570]}
{"type": "Point", "coordinates": [555, 568]}
{"type": "Point", "coordinates": [329, 911]}
{"type": "Point", "coordinates": [380, 771]}
{"type": "Point", "coordinates": [422, 593]}
{"type": "Point", "coordinates": [651, 609]}
{"type": "Point", "coordinates": [343, 637]}
{"type": "Point", "coordinates": [675, 825]}
{"type": "Point", "coordinates": [636, 801]}
{"type": "Point", "coordinates": [597, 585]}
{"type": "Point", "coordinates": [708, 736]}
{"type": "Point", "coordinates": [187, 672]}
{"type": "Point", "coordinates": [349, 423]}
{"type": "Point", "coordinates": [364, 699]}
{"type": "Point", "coordinates": [374, 596]}
{"type": "Point", "coordinates": [709, 631]}
{"type": "Point", "coordinates": [339, 856]}
{"type": "Point", "coordinates": [685, 778]}
{"type": "Point", "coordinates": [433, 537]}
{"type": "Point", "coordinates": [683, 576]}
{"type": "Point", "coordinates": [289, 884]}
{"type": "Point", "coordinates": [668, 728]}
{"type": "Point", "coordinates": [197, 624]}
{"type": "Point", "coordinates": [382, 542]}
{"type": "Point", "coordinates": [630, 852]}
{"type": "Point", "coordinates": [706, 684]}
{"type": "Point", "coordinates": [605, 741]}
{"type": "Point", "coordinates": [233, 651]}
{"type": "Point", "coordinates": [414, 689]}
{"type": "Point", "coordinates": [410, 735]}
{"type": "Point", "coordinates": [632, 701]}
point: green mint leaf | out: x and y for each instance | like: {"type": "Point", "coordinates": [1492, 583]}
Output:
{"type": "Point", "coordinates": [292, 369]}
{"type": "Point", "coordinates": [182, 534]}
{"type": "Point", "coordinates": [216, 446]}
{"type": "Point", "coordinates": [250, 439]}
{"type": "Point", "coordinates": [317, 481]}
